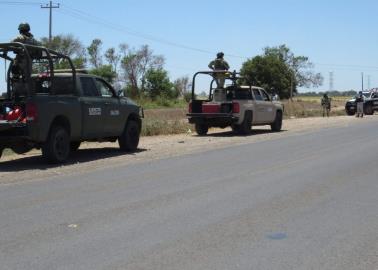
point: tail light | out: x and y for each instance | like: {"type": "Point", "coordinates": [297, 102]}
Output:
{"type": "Point", "coordinates": [190, 107]}
{"type": "Point", "coordinates": [235, 107]}
{"type": "Point", "coordinates": [31, 112]}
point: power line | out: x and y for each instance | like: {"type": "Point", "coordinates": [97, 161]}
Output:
{"type": "Point", "coordinates": [19, 3]}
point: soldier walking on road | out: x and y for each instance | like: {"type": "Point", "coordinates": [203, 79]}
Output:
{"type": "Point", "coordinates": [360, 104]}
{"type": "Point", "coordinates": [219, 64]}
{"type": "Point", "coordinates": [326, 105]}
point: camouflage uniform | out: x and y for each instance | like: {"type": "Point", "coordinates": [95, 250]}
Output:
{"type": "Point", "coordinates": [25, 37]}
{"type": "Point", "coordinates": [360, 105]}
{"type": "Point", "coordinates": [219, 64]}
{"type": "Point", "coordinates": [326, 105]}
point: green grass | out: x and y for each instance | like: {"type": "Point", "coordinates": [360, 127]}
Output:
{"type": "Point", "coordinates": [161, 103]}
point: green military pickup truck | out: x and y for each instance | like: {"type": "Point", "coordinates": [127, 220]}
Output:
{"type": "Point", "coordinates": [55, 110]}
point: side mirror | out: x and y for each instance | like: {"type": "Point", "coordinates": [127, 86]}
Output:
{"type": "Point", "coordinates": [120, 93]}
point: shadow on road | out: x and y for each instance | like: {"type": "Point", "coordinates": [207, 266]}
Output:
{"type": "Point", "coordinates": [79, 156]}
{"type": "Point", "coordinates": [232, 134]}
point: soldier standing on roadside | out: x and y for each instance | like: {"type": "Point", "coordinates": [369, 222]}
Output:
{"type": "Point", "coordinates": [219, 64]}
{"type": "Point", "coordinates": [360, 104]}
{"type": "Point", "coordinates": [326, 105]}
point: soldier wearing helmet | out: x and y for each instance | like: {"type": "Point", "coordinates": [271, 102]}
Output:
{"type": "Point", "coordinates": [219, 64]}
{"type": "Point", "coordinates": [25, 36]}
{"type": "Point", "coordinates": [326, 105]}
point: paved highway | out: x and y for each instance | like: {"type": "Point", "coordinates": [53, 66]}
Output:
{"type": "Point", "coordinates": [307, 201]}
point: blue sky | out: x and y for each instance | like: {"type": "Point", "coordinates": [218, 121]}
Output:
{"type": "Point", "coordinates": [337, 36]}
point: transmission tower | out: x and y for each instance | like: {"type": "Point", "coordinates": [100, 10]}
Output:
{"type": "Point", "coordinates": [331, 81]}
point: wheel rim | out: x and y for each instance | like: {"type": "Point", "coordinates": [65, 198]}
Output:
{"type": "Point", "coordinates": [60, 146]}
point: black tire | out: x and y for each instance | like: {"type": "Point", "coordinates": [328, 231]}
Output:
{"type": "Point", "coordinates": [74, 146]}
{"type": "Point", "coordinates": [57, 147]}
{"type": "Point", "coordinates": [129, 139]}
{"type": "Point", "coordinates": [201, 129]}
{"type": "Point", "coordinates": [245, 127]}
{"type": "Point", "coordinates": [350, 113]}
{"type": "Point", "coordinates": [21, 148]}
{"type": "Point", "coordinates": [368, 109]}
{"type": "Point", "coordinates": [277, 124]}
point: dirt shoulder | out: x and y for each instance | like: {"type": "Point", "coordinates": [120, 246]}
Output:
{"type": "Point", "coordinates": [96, 156]}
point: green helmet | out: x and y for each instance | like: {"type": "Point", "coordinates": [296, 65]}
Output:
{"type": "Point", "coordinates": [24, 27]}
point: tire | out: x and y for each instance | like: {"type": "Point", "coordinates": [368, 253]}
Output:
{"type": "Point", "coordinates": [245, 127]}
{"type": "Point", "coordinates": [57, 147]}
{"type": "Point", "coordinates": [129, 139]}
{"type": "Point", "coordinates": [1, 151]}
{"type": "Point", "coordinates": [74, 146]}
{"type": "Point", "coordinates": [21, 148]}
{"type": "Point", "coordinates": [277, 124]}
{"type": "Point", "coordinates": [368, 109]}
{"type": "Point", "coordinates": [350, 113]}
{"type": "Point", "coordinates": [201, 129]}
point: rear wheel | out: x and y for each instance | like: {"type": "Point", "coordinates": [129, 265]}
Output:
{"type": "Point", "coordinates": [201, 129]}
{"type": "Point", "coordinates": [57, 147]}
{"type": "Point", "coordinates": [277, 124]}
{"type": "Point", "coordinates": [129, 139]}
{"type": "Point", "coordinates": [246, 126]}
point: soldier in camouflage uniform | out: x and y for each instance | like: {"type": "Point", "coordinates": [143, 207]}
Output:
{"type": "Point", "coordinates": [326, 105]}
{"type": "Point", "coordinates": [219, 64]}
{"type": "Point", "coordinates": [360, 104]}
{"type": "Point", "coordinates": [25, 37]}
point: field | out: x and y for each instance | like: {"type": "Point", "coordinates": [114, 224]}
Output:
{"type": "Point", "coordinates": [173, 120]}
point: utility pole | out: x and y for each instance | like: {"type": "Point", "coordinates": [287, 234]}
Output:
{"type": "Point", "coordinates": [50, 6]}
{"type": "Point", "coordinates": [362, 81]}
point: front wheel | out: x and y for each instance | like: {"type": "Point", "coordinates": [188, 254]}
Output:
{"type": "Point", "coordinates": [129, 139]}
{"type": "Point", "coordinates": [57, 147]}
{"type": "Point", "coordinates": [202, 129]}
{"type": "Point", "coordinates": [369, 109]}
{"type": "Point", "coordinates": [350, 113]}
{"type": "Point", "coordinates": [277, 124]}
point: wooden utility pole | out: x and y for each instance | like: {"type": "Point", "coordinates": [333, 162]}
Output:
{"type": "Point", "coordinates": [50, 6]}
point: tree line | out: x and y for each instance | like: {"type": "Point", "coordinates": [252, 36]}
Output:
{"type": "Point", "coordinates": [140, 72]}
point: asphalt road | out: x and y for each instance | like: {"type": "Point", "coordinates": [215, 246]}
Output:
{"type": "Point", "coordinates": [307, 201]}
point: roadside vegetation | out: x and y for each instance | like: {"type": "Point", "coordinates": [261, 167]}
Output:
{"type": "Point", "coordinates": [140, 74]}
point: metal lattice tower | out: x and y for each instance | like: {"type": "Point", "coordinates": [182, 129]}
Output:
{"type": "Point", "coordinates": [331, 81]}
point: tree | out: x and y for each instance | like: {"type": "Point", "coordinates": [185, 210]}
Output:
{"type": "Point", "coordinates": [158, 84]}
{"type": "Point", "coordinates": [135, 64]}
{"type": "Point", "coordinates": [278, 69]}
{"type": "Point", "coordinates": [181, 85]}
{"type": "Point", "coordinates": [113, 58]}
{"type": "Point", "coordinates": [270, 73]}
{"type": "Point", "coordinates": [67, 45]}
{"type": "Point", "coordinates": [106, 72]}
{"type": "Point", "coordinates": [94, 52]}
{"type": "Point", "coordinates": [300, 66]}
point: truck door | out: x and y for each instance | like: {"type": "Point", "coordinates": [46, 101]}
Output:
{"type": "Point", "coordinates": [269, 107]}
{"type": "Point", "coordinates": [114, 119]}
{"type": "Point", "coordinates": [258, 115]}
{"type": "Point", "coordinates": [92, 109]}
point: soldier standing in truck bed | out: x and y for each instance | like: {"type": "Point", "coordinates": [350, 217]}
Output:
{"type": "Point", "coordinates": [25, 36]}
{"type": "Point", "coordinates": [219, 64]}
